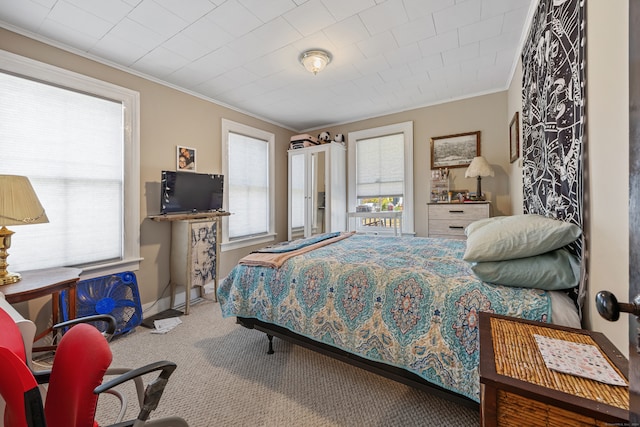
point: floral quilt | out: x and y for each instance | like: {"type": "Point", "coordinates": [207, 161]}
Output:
{"type": "Point", "coordinates": [410, 302]}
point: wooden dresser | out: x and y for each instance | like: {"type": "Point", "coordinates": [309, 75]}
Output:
{"type": "Point", "coordinates": [517, 389]}
{"type": "Point", "coordinates": [449, 220]}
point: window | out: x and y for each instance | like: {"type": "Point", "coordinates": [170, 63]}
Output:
{"type": "Point", "coordinates": [381, 173]}
{"type": "Point", "coordinates": [248, 155]}
{"type": "Point", "coordinates": [76, 139]}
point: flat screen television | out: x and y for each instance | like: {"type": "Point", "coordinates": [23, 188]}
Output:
{"type": "Point", "coordinates": [190, 192]}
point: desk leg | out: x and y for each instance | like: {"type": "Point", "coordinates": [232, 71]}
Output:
{"type": "Point", "coordinates": [187, 297]}
{"type": "Point", "coordinates": [55, 308]}
{"type": "Point", "coordinates": [72, 313]}
{"type": "Point", "coordinates": [57, 318]}
{"type": "Point", "coordinates": [172, 296]}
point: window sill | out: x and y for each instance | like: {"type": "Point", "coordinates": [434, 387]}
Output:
{"type": "Point", "coordinates": [249, 241]}
{"type": "Point", "coordinates": [89, 272]}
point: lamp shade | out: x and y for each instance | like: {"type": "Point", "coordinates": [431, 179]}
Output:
{"type": "Point", "coordinates": [479, 167]}
{"type": "Point", "coordinates": [19, 203]}
{"type": "Point", "coordinates": [315, 60]}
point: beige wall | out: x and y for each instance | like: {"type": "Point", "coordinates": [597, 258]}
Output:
{"type": "Point", "coordinates": [484, 113]}
{"type": "Point", "coordinates": [514, 104]}
{"type": "Point", "coordinates": [167, 118]}
{"type": "Point", "coordinates": [607, 160]}
{"type": "Point", "coordinates": [170, 117]}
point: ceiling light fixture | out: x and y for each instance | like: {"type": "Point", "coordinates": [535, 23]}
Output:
{"type": "Point", "coordinates": [315, 60]}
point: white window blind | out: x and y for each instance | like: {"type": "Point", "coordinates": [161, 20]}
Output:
{"type": "Point", "coordinates": [77, 139]}
{"type": "Point", "coordinates": [70, 146]}
{"type": "Point", "coordinates": [380, 166]}
{"type": "Point", "coordinates": [248, 186]}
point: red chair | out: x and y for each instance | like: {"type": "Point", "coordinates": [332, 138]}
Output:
{"type": "Point", "coordinates": [80, 362]}
{"type": "Point", "coordinates": [14, 350]}
{"type": "Point", "coordinates": [10, 336]}
{"type": "Point", "coordinates": [20, 391]}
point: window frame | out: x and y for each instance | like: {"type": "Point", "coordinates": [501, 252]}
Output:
{"type": "Point", "coordinates": [49, 74]}
{"type": "Point", "coordinates": [405, 128]}
{"type": "Point", "coordinates": [229, 126]}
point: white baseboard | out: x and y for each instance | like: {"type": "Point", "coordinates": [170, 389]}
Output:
{"type": "Point", "coordinates": [163, 304]}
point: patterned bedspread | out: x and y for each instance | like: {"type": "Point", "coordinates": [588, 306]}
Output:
{"type": "Point", "coordinates": [410, 302]}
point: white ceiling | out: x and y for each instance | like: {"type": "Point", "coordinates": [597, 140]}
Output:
{"type": "Point", "coordinates": [388, 55]}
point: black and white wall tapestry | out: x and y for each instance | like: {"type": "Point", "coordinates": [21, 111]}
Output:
{"type": "Point", "coordinates": [553, 114]}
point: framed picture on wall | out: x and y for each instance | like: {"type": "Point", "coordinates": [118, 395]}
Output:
{"type": "Point", "coordinates": [514, 137]}
{"type": "Point", "coordinates": [185, 159]}
{"type": "Point", "coordinates": [454, 151]}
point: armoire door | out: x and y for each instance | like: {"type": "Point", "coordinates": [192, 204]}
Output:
{"type": "Point", "coordinates": [297, 194]}
{"type": "Point", "coordinates": [317, 190]}
{"type": "Point", "coordinates": [316, 201]}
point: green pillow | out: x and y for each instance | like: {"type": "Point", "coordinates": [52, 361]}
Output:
{"type": "Point", "coordinates": [551, 271]}
{"type": "Point", "coordinates": [519, 236]}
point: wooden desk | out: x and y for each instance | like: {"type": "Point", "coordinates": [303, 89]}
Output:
{"type": "Point", "coordinates": [195, 247]}
{"type": "Point", "coordinates": [517, 389]}
{"type": "Point", "coordinates": [39, 283]}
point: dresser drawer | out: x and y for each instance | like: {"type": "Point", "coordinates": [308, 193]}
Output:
{"type": "Point", "coordinates": [450, 219]}
{"type": "Point", "coordinates": [448, 227]}
{"type": "Point", "coordinates": [470, 212]}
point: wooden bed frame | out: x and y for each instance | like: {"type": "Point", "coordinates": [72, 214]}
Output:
{"type": "Point", "coordinates": [387, 371]}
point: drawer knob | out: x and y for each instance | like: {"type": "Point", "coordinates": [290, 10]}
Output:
{"type": "Point", "coordinates": [609, 307]}
{"type": "Point", "coordinates": [456, 211]}
{"type": "Point", "coordinates": [456, 227]}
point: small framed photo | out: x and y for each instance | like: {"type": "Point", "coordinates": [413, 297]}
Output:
{"type": "Point", "coordinates": [454, 151]}
{"type": "Point", "coordinates": [514, 138]}
{"type": "Point", "coordinates": [185, 159]}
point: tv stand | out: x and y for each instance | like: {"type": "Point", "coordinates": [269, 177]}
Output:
{"type": "Point", "coordinates": [187, 216]}
{"type": "Point", "coordinates": [195, 245]}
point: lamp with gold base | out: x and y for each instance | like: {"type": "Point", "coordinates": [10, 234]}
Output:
{"type": "Point", "coordinates": [19, 205]}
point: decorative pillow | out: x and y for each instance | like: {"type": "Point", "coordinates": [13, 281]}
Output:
{"type": "Point", "coordinates": [519, 236]}
{"type": "Point", "coordinates": [551, 271]}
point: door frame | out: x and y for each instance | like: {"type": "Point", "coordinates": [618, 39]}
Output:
{"type": "Point", "coordinates": [634, 204]}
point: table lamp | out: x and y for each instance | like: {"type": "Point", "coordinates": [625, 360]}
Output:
{"type": "Point", "coordinates": [479, 167]}
{"type": "Point", "coordinates": [19, 205]}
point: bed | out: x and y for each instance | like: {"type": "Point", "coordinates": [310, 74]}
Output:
{"type": "Point", "coordinates": [406, 307]}
{"type": "Point", "coordinates": [403, 307]}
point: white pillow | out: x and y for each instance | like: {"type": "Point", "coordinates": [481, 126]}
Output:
{"type": "Point", "coordinates": [517, 236]}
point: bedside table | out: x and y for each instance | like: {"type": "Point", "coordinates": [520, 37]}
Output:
{"type": "Point", "coordinates": [450, 219]}
{"type": "Point", "coordinates": [517, 389]}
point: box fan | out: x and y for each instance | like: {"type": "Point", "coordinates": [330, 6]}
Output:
{"type": "Point", "coordinates": [115, 294]}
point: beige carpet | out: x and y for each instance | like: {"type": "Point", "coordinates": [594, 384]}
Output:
{"type": "Point", "coordinates": [225, 378]}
